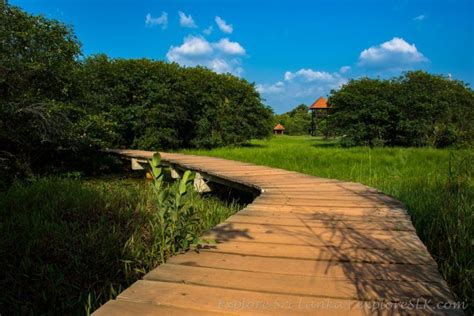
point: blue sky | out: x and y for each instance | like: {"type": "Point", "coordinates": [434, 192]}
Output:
{"type": "Point", "coordinates": [294, 51]}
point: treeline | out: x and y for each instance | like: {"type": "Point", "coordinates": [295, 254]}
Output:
{"type": "Point", "coordinates": [415, 109]}
{"type": "Point", "coordinates": [296, 121]}
{"type": "Point", "coordinates": [57, 107]}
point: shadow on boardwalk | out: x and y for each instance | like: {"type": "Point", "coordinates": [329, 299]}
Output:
{"type": "Point", "coordinates": [385, 268]}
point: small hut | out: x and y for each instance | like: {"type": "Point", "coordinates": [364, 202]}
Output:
{"type": "Point", "coordinates": [320, 105]}
{"type": "Point", "coordinates": [279, 129]}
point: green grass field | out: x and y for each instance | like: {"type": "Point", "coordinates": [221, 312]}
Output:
{"type": "Point", "coordinates": [436, 185]}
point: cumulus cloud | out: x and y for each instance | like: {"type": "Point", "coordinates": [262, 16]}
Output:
{"type": "Point", "coordinates": [192, 46]}
{"type": "Point", "coordinates": [186, 21]}
{"type": "Point", "coordinates": [396, 54]}
{"type": "Point", "coordinates": [161, 20]}
{"type": "Point", "coordinates": [209, 30]}
{"type": "Point", "coordinates": [221, 56]}
{"type": "Point", "coordinates": [420, 17]}
{"type": "Point", "coordinates": [228, 47]}
{"type": "Point", "coordinates": [223, 26]}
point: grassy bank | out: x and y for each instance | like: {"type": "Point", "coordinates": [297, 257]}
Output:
{"type": "Point", "coordinates": [68, 245]}
{"type": "Point", "coordinates": [436, 186]}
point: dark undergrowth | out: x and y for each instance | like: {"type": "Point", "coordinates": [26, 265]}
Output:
{"type": "Point", "coordinates": [67, 245]}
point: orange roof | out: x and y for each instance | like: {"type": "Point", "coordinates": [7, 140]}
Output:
{"type": "Point", "coordinates": [279, 127]}
{"type": "Point", "coordinates": [320, 103]}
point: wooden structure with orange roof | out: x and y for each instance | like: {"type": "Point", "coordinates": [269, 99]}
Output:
{"type": "Point", "coordinates": [319, 104]}
{"type": "Point", "coordinates": [278, 129]}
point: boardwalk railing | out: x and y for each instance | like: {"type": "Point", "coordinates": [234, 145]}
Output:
{"type": "Point", "coordinates": [306, 245]}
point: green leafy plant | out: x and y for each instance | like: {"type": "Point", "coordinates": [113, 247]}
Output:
{"type": "Point", "coordinates": [176, 216]}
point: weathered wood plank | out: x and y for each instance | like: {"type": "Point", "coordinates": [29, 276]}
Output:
{"type": "Point", "coordinates": [401, 256]}
{"type": "Point", "coordinates": [246, 302]}
{"type": "Point", "coordinates": [130, 308]}
{"type": "Point", "coordinates": [362, 224]}
{"type": "Point", "coordinates": [365, 290]}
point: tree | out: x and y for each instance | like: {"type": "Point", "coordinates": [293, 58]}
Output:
{"type": "Point", "coordinates": [362, 111]}
{"type": "Point", "coordinates": [416, 109]}
{"type": "Point", "coordinates": [435, 111]}
{"type": "Point", "coordinates": [37, 56]}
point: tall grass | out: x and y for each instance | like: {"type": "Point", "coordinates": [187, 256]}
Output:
{"type": "Point", "coordinates": [67, 246]}
{"type": "Point", "coordinates": [436, 186]}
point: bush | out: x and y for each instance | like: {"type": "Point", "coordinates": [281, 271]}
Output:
{"type": "Point", "coordinates": [416, 109]}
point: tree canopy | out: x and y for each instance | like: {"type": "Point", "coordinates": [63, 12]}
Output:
{"type": "Point", "coordinates": [55, 104]}
{"type": "Point", "coordinates": [415, 109]}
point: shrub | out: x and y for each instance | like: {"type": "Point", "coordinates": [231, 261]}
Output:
{"type": "Point", "coordinates": [416, 109]}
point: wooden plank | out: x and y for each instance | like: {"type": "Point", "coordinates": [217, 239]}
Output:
{"type": "Point", "coordinates": [329, 202]}
{"type": "Point", "coordinates": [327, 237]}
{"type": "Point", "coordinates": [364, 290]}
{"type": "Point", "coordinates": [250, 302]}
{"type": "Point", "coordinates": [361, 255]}
{"type": "Point", "coordinates": [325, 215]}
{"type": "Point", "coordinates": [320, 232]}
{"type": "Point", "coordinates": [362, 224]}
{"type": "Point", "coordinates": [321, 212]}
{"type": "Point", "coordinates": [130, 308]}
{"type": "Point", "coordinates": [319, 195]}
{"type": "Point", "coordinates": [324, 269]}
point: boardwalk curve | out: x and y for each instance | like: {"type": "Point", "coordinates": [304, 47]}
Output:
{"type": "Point", "coordinates": [306, 245]}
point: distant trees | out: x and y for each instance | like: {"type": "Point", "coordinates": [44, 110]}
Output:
{"type": "Point", "coordinates": [416, 109]}
{"type": "Point", "coordinates": [53, 104]}
{"type": "Point", "coordinates": [296, 121]}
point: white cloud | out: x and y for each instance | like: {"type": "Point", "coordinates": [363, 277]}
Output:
{"type": "Point", "coordinates": [308, 75]}
{"type": "Point", "coordinates": [420, 17]}
{"type": "Point", "coordinates": [161, 20]}
{"type": "Point", "coordinates": [271, 88]}
{"type": "Point", "coordinates": [396, 54]}
{"type": "Point", "coordinates": [209, 30]}
{"type": "Point", "coordinates": [221, 56]}
{"type": "Point", "coordinates": [223, 26]}
{"type": "Point", "coordinates": [192, 46]}
{"type": "Point", "coordinates": [186, 21]}
{"type": "Point", "coordinates": [344, 69]}
{"type": "Point", "coordinates": [228, 47]}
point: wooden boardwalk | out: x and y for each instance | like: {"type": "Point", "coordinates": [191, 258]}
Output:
{"type": "Point", "coordinates": [306, 245]}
